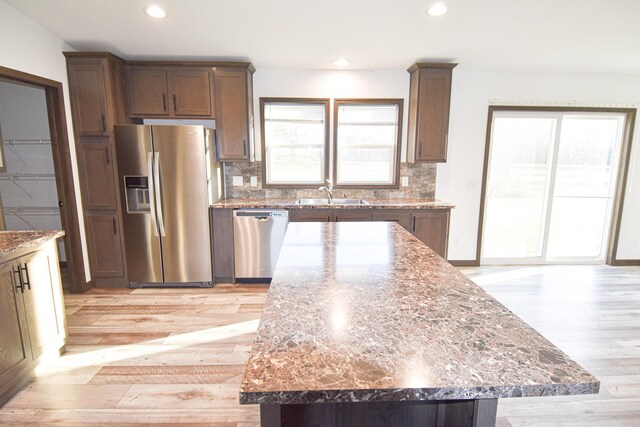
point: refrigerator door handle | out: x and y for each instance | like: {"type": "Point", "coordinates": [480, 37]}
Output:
{"type": "Point", "coordinates": [152, 194]}
{"type": "Point", "coordinates": [156, 190]}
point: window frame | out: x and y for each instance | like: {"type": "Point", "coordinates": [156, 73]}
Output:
{"type": "Point", "coordinates": [312, 101]}
{"type": "Point", "coordinates": [399, 102]}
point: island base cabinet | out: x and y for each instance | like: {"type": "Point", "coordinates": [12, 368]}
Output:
{"type": "Point", "coordinates": [32, 318]}
{"type": "Point", "coordinates": [429, 413]}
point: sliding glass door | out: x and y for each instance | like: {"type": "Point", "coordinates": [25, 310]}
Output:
{"type": "Point", "coordinates": [550, 186]}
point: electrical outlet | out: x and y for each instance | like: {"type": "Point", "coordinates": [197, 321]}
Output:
{"type": "Point", "coordinates": [404, 181]}
{"type": "Point", "coordinates": [254, 181]}
{"type": "Point", "coordinates": [237, 181]}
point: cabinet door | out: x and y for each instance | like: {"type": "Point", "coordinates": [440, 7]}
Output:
{"type": "Point", "coordinates": [191, 92]}
{"type": "Point", "coordinates": [148, 91]}
{"type": "Point", "coordinates": [401, 217]}
{"type": "Point", "coordinates": [433, 115]}
{"type": "Point", "coordinates": [43, 300]}
{"type": "Point", "coordinates": [432, 227]}
{"type": "Point", "coordinates": [312, 215]}
{"type": "Point", "coordinates": [343, 215]}
{"type": "Point", "coordinates": [97, 175]}
{"type": "Point", "coordinates": [88, 97]}
{"type": "Point", "coordinates": [104, 241]}
{"type": "Point", "coordinates": [232, 115]}
{"type": "Point", "coordinates": [14, 357]}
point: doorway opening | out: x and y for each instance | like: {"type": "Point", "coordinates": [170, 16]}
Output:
{"type": "Point", "coordinates": [36, 180]}
{"type": "Point", "coordinates": [552, 179]}
{"type": "Point", "coordinates": [28, 193]}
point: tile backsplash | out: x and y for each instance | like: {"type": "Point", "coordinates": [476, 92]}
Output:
{"type": "Point", "coordinates": [422, 184]}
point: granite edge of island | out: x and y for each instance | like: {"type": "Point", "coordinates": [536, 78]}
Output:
{"type": "Point", "coordinates": [280, 203]}
{"type": "Point", "coordinates": [582, 384]}
{"type": "Point", "coordinates": [16, 243]}
{"type": "Point", "coordinates": [418, 394]}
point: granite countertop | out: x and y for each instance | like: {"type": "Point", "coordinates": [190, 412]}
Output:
{"type": "Point", "coordinates": [15, 243]}
{"type": "Point", "coordinates": [274, 203]}
{"type": "Point", "coordinates": [366, 312]}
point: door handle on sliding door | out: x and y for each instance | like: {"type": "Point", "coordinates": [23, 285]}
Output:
{"type": "Point", "coordinates": [157, 191]}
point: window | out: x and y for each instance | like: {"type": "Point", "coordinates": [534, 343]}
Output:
{"type": "Point", "coordinates": [295, 141]}
{"type": "Point", "coordinates": [367, 142]}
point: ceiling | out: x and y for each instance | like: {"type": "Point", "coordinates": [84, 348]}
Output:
{"type": "Point", "coordinates": [559, 35]}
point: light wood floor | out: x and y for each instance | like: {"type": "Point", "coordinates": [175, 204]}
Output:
{"type": "Point", "coordinates": [176, 356]}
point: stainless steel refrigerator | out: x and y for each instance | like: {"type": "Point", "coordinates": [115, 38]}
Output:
{"type": "Point", "coordinates": [168, 179]}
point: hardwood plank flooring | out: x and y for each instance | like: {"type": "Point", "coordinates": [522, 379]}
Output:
{"type": "Point", "coordinates": [176, 356]}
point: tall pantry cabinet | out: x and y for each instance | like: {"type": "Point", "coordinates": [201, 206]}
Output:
{"type": "Point", "coordinates": [97, 86]}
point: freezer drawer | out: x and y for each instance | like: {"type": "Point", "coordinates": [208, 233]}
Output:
{"type": "Point", "coordinates": [258, 237]}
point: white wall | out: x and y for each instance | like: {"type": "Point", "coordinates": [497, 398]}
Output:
{"type": "Point", "coordinates": [459, 181]}
{"type": "Point", "coordinates": [28, 47]}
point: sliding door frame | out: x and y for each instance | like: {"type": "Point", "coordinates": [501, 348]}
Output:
{"type": "Point", "coordinates": [621, 179]}
{"type": "Point", "coordinates": [54, 96]}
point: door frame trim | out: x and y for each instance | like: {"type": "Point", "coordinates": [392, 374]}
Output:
{"type": "Point", "coordinates": [60, 148]}
{"type": "Point", "coordinates": [621, 179]}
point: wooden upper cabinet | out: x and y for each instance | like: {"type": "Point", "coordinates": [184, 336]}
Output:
{"type": "Point", "coordinates": [234, 114]}
{"type": "Point", "coordinates": [148, 91]}
{"type": "Point", "coordinates": [88, 96]}
{"type": "Point", "coordinates": [170, 92]}
{"type": "Point", "coordinates": [191, 92]}
{"type": "Point", "coordinates": [429, 101]}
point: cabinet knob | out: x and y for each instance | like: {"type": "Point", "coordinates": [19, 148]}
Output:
{"type": "Point", "coordinates": [175, 103]}
{"type": "Point", "coordinates": [104, 123]}
{"type": "Point", "coordinates": [106, 155]}
{"type": "Point", "coordinates": [115, 229]}
{"type": "Point", "coordinates": [164, 102]}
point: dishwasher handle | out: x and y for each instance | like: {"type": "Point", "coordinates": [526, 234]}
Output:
{"type": "Point", "coordinates": [261, 215]}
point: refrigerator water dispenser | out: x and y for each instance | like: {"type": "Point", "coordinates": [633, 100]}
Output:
{"type": "Point", "coordinates": [137, 194]}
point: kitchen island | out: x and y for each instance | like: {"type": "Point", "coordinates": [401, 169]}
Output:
{"type": "Point", "coordinates": [364, 325]}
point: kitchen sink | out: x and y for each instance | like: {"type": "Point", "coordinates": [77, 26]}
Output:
{"type": "Point", "coordinates": [331, 202]}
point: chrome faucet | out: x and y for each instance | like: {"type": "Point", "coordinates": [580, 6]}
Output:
{"type": "Point", "coordinates": [329, 189]}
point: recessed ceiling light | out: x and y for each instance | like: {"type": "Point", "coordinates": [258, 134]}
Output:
{"type": "Point", "coordinates": [155, 11]}
{"type": "Point", "coordinates": [437, 9]}
{"type": "Point", "coordinates": [341, 62]}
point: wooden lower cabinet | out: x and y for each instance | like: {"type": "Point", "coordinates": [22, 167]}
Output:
{"type": "Point", "coordinates": [402, 217]}
{"type": "Point", "coordinates": [32, 318]}
{"type": "Point", "coordinates": [14, 338]}
{"type": "Point", "coordinates": [344, 215]}
{"type": "Point", "coordinates": [432, 227]}
{"type": "Point", "coordinates": [311, 215]}
{"type": "Point", "coordinates": [103, 230]}
{"type": "Point", "coordinates": [222, 245]}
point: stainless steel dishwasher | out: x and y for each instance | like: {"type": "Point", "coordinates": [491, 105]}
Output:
{"type": "Point", "coordinates": [257, 239]}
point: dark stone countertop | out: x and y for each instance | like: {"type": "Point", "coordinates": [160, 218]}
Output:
{"type": "Point", "coordinates": [364, 311]}
{"type": "Point", "coordinates": [274, 203]}
{"type": "Point", "coordinates": [17, 243]}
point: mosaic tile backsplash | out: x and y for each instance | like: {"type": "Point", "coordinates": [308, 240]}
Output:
{"type": "Point", "coordinates": [422, 184]}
